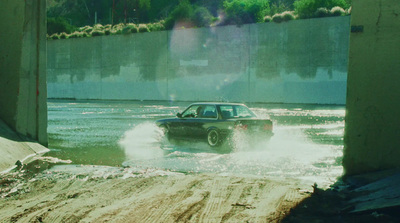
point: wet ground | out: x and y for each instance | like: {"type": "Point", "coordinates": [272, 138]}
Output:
{"type": "Point", "coordinates": [308, 140]}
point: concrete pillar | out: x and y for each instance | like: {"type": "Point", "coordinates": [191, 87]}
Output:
{"type": "Point", "coordinates": [23, 94]}
{"type": "Point", "coordinates": [372, 132]}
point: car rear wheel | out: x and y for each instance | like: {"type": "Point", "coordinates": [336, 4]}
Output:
{"type": "Point", "coordinates": [213, 138]}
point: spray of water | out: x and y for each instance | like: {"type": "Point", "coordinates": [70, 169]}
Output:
{"type": "Point", "coordinates": [288, 153]}
{"type": "Point", "coordinates": [142, 142]}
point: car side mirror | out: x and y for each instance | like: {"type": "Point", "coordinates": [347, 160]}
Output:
{"type": "Point", "coordinates": [179, 115]}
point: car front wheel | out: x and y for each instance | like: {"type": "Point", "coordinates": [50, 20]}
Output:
{"type": "Point", "coordinates": [213, 138]}
{"type": "Point", "coordinates": [165, 131]}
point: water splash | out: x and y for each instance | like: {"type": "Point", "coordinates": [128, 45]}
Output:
{"type": "Point", "coordinates": [289, 153]}
{"type": "Point", "coordinates": [142, 142]}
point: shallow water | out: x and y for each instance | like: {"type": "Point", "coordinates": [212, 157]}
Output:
{"type": "Point", "coordinates": [308, 140]}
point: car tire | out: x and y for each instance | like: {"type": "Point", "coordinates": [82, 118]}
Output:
{"type": "Point", "coordinates": [213, 138]}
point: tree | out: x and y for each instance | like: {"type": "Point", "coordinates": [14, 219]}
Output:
{"type": "Point", "coordinates": [181, 13]}
{"type": "Point", "coordinates": [213, 6]}
{"type": "Point", "coordinates": [59, 25]}
{"type": "Point", "coordinates": [136, 11]}
{"type": "Point", "coordinates": [279, 6]}
{"type": "Point", "coordinates": [245, 11]}
{"type": "Point", "coordinates": [202, 17]}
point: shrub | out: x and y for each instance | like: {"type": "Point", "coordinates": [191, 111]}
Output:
{"type": "Point", "coordinates": [107, 32]}
{"type": "Point", "coordinates": [116, 31]}
{"type": "Point", "coordinates": [278, 18]}
{"type": "Point", "coordinates": [287, 16]}
{"type": "Point", "coordinates": [59, 25]}
{"type": "Point", "coordinates": [202, 17]}
{"type": "Point", "coordinates": [348, 11]}
{"type": "Point", "coordinates": [153, 27]}
{"type": "Point", "coordinates": [308, 8]}
{"type": "Point", "coordinates": [98, 27]}
{"type": "Point", "coordinates": [245, 11]}
{"type": "Point", "coordinates": [54, 36]}
{"type": "Point", "coordinates": [76, 34]}
{"type": "Point", "coordinates": [279, 7]}
{"type": "Point", "coordinates": [85, 34]}
{"type": "Point", "coordinates": [182, 12]}
{"type": "Point", "coordinates": [63, 35]}
{"type": "Point", "coordinates": [97, 32]}
{"type": "Point", "coordinates": [267, 18]}
{"type": "Point", "coordinates": [129, 28]}
{"type": "Point", "coordinates": [143, 28]}
{"type": "Point", "coordinates": [337, 11]}
{"type": "Point", "coordinates": [87, 29]}
{"type": "Point", "coordinates": [322, 12]}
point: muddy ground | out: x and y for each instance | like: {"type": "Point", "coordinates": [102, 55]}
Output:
{"type": "Point", "coordinates": [69, 193]}
{"type": "Point", "coordinates": [125, 195]}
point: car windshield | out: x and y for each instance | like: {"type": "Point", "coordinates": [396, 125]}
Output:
{"type": "Point", "coordinates": [236, 111]}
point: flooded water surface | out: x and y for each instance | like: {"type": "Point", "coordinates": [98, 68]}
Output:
{"type": "Point", "coordinates": [308, 140]}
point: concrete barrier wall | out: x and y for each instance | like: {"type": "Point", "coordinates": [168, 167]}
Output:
{"type": "Point", "coordinates": [302, 61]}
{"type": "Point", "coordinates": [23, 97]}
{"type": "Point", "coordinates": [372, 132]}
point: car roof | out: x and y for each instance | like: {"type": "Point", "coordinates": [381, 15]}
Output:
{"type": "Point", "coordinates": [216, 103]}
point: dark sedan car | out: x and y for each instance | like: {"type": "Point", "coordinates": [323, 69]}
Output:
{"type": "Point", "coordinates": [215, 122]}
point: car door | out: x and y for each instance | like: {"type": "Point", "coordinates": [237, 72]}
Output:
{"type": "Point", "coordinates": [187, 122]}
{"type": "Point", "coordinates": [199, 124]}
{"type": "Point", "coordinates": [176, 127]}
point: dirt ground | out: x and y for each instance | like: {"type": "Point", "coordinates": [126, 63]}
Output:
{"type": "Point", "coordinates": [69, 193]}
{"type": "Point", "coordinates": [128, 195]}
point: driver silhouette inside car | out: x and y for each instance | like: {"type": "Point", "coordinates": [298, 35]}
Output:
{"type": "Point", "coordinates": [199, 112]}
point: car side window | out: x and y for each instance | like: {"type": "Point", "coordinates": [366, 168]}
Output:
{"type": "Point", "coordinates": [226, 111]}
{"type": "Point", "coordinates": [235, 111]}
{"type": "Point", "coordinates": [209, 112]}
{"type": "Point", "coordinates": [200, 111]}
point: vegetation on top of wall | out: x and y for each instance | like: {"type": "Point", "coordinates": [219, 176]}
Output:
{"type": "Point", "coordinates": [100, 30]}
{"type": "Point", "coordinates": [315, 8]}
{"type": "Point", "coordinates": [245, 11]}
{"type": "Point", "coordinates": [195, 13]}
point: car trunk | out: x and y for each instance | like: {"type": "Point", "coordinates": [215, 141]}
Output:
{"type": "Point", "coordinates": [255, 125]}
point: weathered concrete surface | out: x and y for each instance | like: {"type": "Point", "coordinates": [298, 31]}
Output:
{"type": "Point", "coordinates": [381, 194]}
{"type": "Point", "coordinates": [23, 67]}
{"type": "Point", "coordinates": [14, 147]}
{"type": "Point", "coordinates": [23, 93]}
{"type": "Point", "coordinates": [302, 61]}
{"type": "Point", "coordinates": [372, 132]}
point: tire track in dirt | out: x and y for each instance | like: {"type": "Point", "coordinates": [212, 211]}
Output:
{"type": "Point", "coordinates": [224, 193]}
{"type": "Point", "coordinates": [181, 198]}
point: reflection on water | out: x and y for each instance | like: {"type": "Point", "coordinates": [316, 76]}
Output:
{"type": "Point", "coordinates": [308, 140]}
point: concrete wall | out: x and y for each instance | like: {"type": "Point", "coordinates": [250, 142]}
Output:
{"type": "Point", "coordinates": [23, 67]}
{"type": "Point", "coordinates": [372, 133]}
{"type": "Point", "coordinates": [23, 95]}
{"type": "Point", "coordinates": [303, 61]}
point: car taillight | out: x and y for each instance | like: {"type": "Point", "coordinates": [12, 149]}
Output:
{"type": "Point", "coordinates": [268, 127]}
{"type": "Point", "coordinates": [241, 127]}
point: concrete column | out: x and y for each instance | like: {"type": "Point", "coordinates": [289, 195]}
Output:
{"type": "Point", "coordinates": [372, 132]}
{"type": "Point", "coordinates": [23, 94]}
